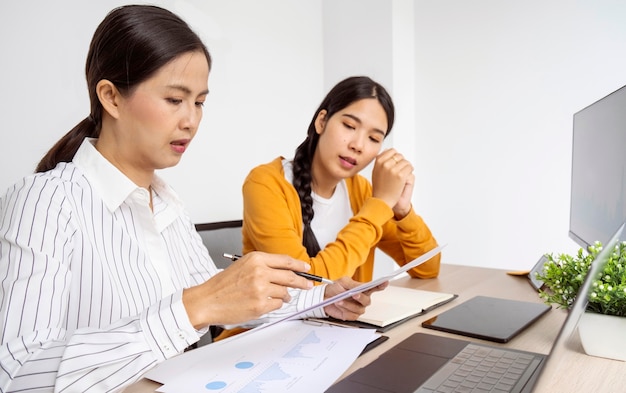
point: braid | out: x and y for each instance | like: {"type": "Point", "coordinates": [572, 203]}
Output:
{"type": "Point", "coordinates": [345, 93]}
{"type": "Point", "coordinates": [302, 179]}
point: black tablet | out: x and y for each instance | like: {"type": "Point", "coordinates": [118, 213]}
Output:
{"type": "Point", "coordinates": [488, 318]}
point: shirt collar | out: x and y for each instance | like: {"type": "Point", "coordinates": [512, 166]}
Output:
{"type": "Point", "coordinates": [109, 182]}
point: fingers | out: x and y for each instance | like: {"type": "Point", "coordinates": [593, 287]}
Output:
{"type": "Point", "coordinates": [377, 288]}
{"type": "Point", "coordinates": [283, 262]}
{"type": "Point", "coordinates": [392, 178]}
{"type": "Point", "coordinates": [388, 154]}
{"type": "Point", "coordinates": [353, 307]}
{"type": "Point", "coordinates": [392, 159]}
{"type": "Point", "coordinates": [277, 269]}
{"type": "Point", "coordinates": [350, 308]}
{"type": "Point", "coordinates": [382, 286]}
{"type": "Point", "coordinates": [252, 286]}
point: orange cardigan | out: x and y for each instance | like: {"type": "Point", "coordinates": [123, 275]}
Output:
{"type": "Point", "coordinates": [272, 222]}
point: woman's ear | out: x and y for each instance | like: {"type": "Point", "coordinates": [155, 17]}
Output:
{"type": "Point", "coordinates": [320, 121]}
{"type": "Point", "coordinates": [109, 97]}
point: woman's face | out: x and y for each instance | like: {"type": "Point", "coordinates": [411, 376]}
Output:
{"type": "Point", "coordinates": [349, 140]}
{"type": "Point", "coordinates": [157, 121]}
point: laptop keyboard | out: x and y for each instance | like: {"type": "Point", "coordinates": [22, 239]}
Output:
{"type": "Point", "coordinates": [482, 369]}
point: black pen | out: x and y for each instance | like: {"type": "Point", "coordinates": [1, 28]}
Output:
{"type": "Point", "coordinates": [313, 277]}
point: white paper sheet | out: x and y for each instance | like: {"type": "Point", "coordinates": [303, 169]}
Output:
{"type": "Point", "coordinates": [294, 356]}
{"type": "Point", "coordinates": [361, 288]}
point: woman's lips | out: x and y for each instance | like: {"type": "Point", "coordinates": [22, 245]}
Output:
{"type": "Point", "coordinates": [348, 162]}
{"type": "Point", "coordinates": [180, 146]}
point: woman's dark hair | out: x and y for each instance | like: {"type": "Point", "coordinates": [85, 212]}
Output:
{"type": "Point", "coordinates": [128, 47]}
{"type": "Point", "coordinates": [339, 97]}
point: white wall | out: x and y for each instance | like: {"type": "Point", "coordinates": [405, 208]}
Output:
{"type": "Point", "coordinates": [265, 83]}
{"type": "Point", "coordinates": [497, 84]}
{"type": "Point", "coordinates": [485, 92]}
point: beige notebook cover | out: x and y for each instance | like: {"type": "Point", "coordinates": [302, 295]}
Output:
{"type": "Point", "coordinates": [398, 303]}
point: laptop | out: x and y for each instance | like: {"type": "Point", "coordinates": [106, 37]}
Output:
{"type": "Point", "coordinates": [423, 361]}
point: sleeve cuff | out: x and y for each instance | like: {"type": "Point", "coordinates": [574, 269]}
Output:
{"type": "Point", "coordinates": [311, 297]}
{"type": "Point", "coordinates": [410, 222]}
{"type": "Point", "coordinates": [376, 211]}
{"type": "Point", "coordinates": [167, 327]}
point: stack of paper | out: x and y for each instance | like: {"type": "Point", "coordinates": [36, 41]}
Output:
{"type": "Point", "coordinates": [293, 356]}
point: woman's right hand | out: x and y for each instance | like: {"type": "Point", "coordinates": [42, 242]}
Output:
{"type": "Point", "coordinates": [252, 286]}
{"type": "Point", "coordinates": [392, 181]}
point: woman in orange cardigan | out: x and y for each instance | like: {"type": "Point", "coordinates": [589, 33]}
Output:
{"type": "Point", "coordinates": [317, 208]}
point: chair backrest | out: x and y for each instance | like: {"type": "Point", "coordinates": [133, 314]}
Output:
{"type": "Point", "coordinates": [221, 237]}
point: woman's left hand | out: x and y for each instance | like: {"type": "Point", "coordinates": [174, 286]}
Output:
{"type": "Point", "coordinates": [351, 308]}
{"type": "Point", "coordinates": [403, 207]}
{"type": "Point", "coordinates": [393, 181]}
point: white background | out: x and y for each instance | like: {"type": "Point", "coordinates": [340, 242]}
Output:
{"type": "Point", "coordinates": [485, 92]}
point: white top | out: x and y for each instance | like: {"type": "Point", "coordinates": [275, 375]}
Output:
{"type": "Point", "coordinates": [331, 214]}
{"type": "Point", "coordinates": [91, 279]}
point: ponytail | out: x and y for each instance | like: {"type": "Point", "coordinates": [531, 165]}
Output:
{"type": "Point", "coordinates": [65, 149]}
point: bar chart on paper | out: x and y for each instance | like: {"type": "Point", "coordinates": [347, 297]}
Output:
{"type": "Point", "coordinates": [289, 357]}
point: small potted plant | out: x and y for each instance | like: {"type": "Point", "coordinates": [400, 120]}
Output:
{"type": "Point", "coordinates": [564, 274]}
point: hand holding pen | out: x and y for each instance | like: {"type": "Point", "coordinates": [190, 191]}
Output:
{"type": "Point", "coordinates": [257, 284]}
{"type": "Point", "coordinates": [347, 309]}
{"type": "Point", "coordinates": [234, 257]}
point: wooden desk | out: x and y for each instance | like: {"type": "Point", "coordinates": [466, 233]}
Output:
{"type": "Point", "coordinates": [577, 372]}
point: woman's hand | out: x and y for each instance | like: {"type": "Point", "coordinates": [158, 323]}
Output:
{"type": "Point", "coordinates": [393, 181]}
{"type": "Point", "coordinates": [252, 286]}
{"type": "Point", "coordinates": [349, 309]}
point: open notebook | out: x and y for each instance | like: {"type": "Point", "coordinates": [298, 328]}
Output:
{"type": "Point", "coordinates": [395, 305]}
{"type": "Point", "coordinates": [399, 303]}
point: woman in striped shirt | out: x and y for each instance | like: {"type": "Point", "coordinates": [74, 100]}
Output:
{"type": "Point", "coordinates": [102, 274]}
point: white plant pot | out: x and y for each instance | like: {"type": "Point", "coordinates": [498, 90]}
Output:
{"type": "Point", "coordinates": [603, 335]}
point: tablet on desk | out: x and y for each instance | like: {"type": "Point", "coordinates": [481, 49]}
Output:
{"type": "Point", "coordinates": [531, 275]}
{"type": "Point", "coordinates": [488, 318]}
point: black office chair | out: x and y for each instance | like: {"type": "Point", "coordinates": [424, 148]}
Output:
{"type": "Point", "coordinates": [221, 237]}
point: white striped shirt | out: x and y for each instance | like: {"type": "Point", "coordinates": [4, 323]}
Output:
{"type": "Point", "coordinates": [91, 279]}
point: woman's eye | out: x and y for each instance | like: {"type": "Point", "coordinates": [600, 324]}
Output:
{"type": "Point", "coordinates": [375, 140]}
{"type": "Point", "coordinates": [200, 103]}
{"type": "Point", "coordinates": [348, 126]}
{"type": "Point", "coordinates": [174, 101]}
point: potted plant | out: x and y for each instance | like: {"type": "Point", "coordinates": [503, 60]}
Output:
{"type": "Point", "coordinates": [602, 328]}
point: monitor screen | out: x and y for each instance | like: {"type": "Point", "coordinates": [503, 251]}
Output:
{"type": "Point", "coordinates": [598, 193]}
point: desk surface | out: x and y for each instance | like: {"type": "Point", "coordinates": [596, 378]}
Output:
{"type": "Point", "coordinates": [576, 372]}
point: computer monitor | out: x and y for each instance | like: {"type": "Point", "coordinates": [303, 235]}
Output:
{"type": "Point", "coordinates": [598, 190]}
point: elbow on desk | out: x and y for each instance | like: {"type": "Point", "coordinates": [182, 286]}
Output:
{"type": "Point", "coordinates": [429, 269]}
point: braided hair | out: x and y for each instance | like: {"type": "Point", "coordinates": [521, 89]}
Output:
{"type": "Point", "coordinates": [342, 95]}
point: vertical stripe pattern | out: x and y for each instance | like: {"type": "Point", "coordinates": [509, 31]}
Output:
{"type": "Point", "coordinates": [84, 306]}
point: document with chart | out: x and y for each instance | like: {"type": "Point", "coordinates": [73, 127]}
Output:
{"type": "Point", "coordinates": [290, 357]}
{"type": "Point", "coordinates": [287, 355]}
